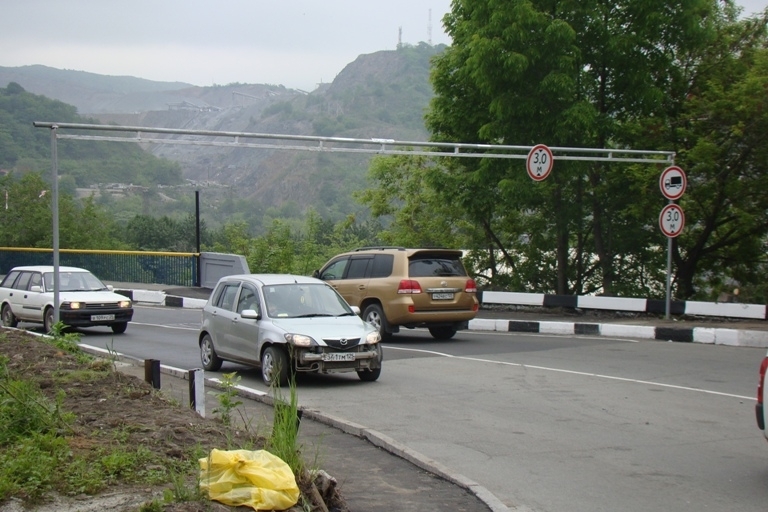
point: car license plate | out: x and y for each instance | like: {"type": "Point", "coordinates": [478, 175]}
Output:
{"type": "Point", "coordinates": [101, 318]}
{"type": "Point", "coordinates": [442, 296]}
{"type": "Point", "coordinates": [336, 356]}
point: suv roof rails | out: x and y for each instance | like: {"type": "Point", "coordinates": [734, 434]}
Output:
{"type": "Point", "coordinates": [379, 248]}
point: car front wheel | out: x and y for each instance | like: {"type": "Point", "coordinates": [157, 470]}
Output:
{"type": "Point", "coordinates": [442, 333]}
{"type": "Point", "coordinates": [208, 357]}
{"type": "Point", "coordinates": [374, 315]}
{"type": "Point", "coordinates": [274, 366]}
{"type": "Point", "coordinates": [48, 320]}
{"type": "Point", "coordinates": [119, 328]}
{"type": "Point", "coordinates": [372, 374]}
{"type": "Point", "coordinates": [369, 375]}
{"type": "Point", "coordinates": [9, 319]}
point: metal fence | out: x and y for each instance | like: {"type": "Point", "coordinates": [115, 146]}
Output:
{"type": "Point", "coordinates": [171, 268]}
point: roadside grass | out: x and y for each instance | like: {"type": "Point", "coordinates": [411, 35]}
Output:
{"type": "Point", "coordinates": [44, 450]}
{"type": "Point", "coordinates": [37, 438]}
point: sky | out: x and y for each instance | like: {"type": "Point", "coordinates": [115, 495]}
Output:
{"type": "Point", "coordinates": [295, 43]}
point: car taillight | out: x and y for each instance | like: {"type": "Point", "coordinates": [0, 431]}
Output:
{"type": "Point", "coordinates": [761, 382]}
{"type": "Point", "coordinates": [470, 287]}
{"type": "Point", "coordinates": [409, 286]}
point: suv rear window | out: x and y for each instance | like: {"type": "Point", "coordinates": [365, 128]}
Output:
{"type": "Point", "coordinates": [382, 265]}
{"type": "Point", "coordinates": [425, 265]}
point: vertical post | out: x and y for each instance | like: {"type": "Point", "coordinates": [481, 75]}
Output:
{"type": "Point", "coordinates": [55, 215]}
{"type": "Point", "coordinates": [152, 372]}
{"type": "Point", "coordinates": [197, 236]}
{"type": "Point", "coordinates": [197, 391]}
{"type": "Point", "coordinates": [669, 276]}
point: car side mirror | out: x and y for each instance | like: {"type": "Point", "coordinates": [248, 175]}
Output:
{"type": "Point", "coordinates": [355, 310]}
{"type": "Point", "coordinates": [110, 288]}
{"type": "Point", "coordinates": [251, 314]}
{"type": "Point", "coordinates": [36, 288]}
{"type": "Point", "coordinates": [316, 274]}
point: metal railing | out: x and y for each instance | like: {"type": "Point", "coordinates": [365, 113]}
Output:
{"type": "Point", "coordinates": [171, 268]}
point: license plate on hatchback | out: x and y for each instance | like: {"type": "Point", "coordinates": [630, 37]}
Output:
{"type": "Point", "coordinates": [101, 318]}
{"type": "Point", "coordinates": [336, 356]}
{"type": "Point", "coordinates": [442, 296]}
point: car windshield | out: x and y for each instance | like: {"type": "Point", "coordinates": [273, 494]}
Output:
{"type": "Point", "coordinates": [296, 300]}
{"type": "Point", "coordinates": [74, 282]}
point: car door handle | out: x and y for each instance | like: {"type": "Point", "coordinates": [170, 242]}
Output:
{"type": "Point", "coordinates": [361, 287]}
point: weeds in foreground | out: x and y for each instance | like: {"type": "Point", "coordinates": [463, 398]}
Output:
{"type": "Point", "coordinates": [285, 428]}
{"type": "Point", "coordinates": [37, 436]}
{"type": "Point", "coordinates": [41, 454]}
{"type": "Point", "coordinates": [68, 342]}
{"type": "Point", "coordinates": [228, 401]}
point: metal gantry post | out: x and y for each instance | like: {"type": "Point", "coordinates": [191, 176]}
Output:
{"type": "Point", "coordinates": [55, 214]}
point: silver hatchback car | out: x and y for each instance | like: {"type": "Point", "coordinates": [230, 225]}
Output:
{"type": "Point", "coordinates": [284, 324]}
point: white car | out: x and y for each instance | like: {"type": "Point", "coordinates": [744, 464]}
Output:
{"type": "Point", "coordinates": [26, 295]}
{"type": "Point", "coordinates": [285, 324]}
{"type": "Point", "coordinates": [762, 395]}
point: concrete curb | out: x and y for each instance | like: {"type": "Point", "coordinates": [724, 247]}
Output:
{"type": "Point", "coordinates": [372, 436]}
{"type": "Point", "coordinates": [716, 336]}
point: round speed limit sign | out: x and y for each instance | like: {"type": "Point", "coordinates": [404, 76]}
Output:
{"type": "Point", "coordinates": [671, 220]}
{"type": "Point", "coordinates": [539, 162]}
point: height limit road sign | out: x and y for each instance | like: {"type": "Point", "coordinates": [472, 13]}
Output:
{"type": "Point", "coordinates": [671, 220]}
{"type": "Point", "coordinates": [539, 162]}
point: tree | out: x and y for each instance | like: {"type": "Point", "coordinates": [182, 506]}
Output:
{"type": "Point", "coordinates": [720, 132]}
{"type": "Point", "coordinates": [28, 219]}
{"type": "Point", "coordinates": [420, 217]}
{"type": "Point", "coordinates": [571, 74]}
{"type": "Point", "coordinates": [165, 233]}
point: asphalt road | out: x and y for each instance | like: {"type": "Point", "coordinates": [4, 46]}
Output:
{"type": "Point", "coordinates": [545, 423]}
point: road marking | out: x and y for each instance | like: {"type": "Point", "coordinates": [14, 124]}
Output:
{"type": "Point", "coordinates": [574, 372]}
{"type": "Point", "coordinates": [167, 326]}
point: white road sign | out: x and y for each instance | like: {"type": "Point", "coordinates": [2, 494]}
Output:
{"type": "Point", "coordinates": [539, 162]}
{"type": "Point", "coordinates": [671, 220]}
{"type": "Point", "coordinates": [673, 182]}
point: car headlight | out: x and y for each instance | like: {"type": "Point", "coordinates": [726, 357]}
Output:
{"type": "Point", "coordinates": [299, 340]}
{"type": "Point", "coordinates": [76, 305]}
{"type": "Point", "coordinates": [124, 304]}
{"type": "Point", "coordinates": [372, 338]}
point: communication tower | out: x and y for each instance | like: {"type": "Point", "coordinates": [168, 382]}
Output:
{"type": "Point", "coordinates": [429, 28]}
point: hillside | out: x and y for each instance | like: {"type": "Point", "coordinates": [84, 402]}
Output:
{"type": "Point", "coordinates": [380, 95]}
{"type": "Point", "coordinates": [93, 94]}
{"type": "Point", "coordinates": [26, 148]}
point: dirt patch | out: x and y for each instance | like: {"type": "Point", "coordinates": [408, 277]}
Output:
{"type": "Point", "coordinates": [109, 405]}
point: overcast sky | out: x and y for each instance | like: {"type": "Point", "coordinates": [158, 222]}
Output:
{"type": "Point", "coordinates": [295, 43]}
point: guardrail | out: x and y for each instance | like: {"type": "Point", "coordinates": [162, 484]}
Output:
{"type": "Point", "coordinates": [171, 268]}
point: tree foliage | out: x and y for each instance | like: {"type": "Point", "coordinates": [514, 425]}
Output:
{"type": "Point", "coordinates": [26, 217]}
{"type": "Point", "coordinates": [685, 76]}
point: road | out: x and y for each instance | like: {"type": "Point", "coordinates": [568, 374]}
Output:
{"type": "Point", "coordinates": [545, 423]}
